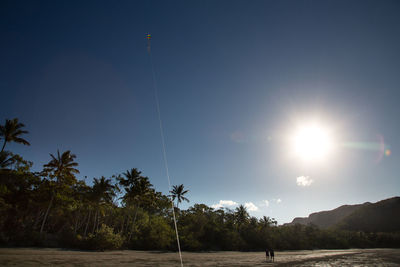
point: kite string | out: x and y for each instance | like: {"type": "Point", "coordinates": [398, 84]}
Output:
{"type": "Point", "coordinates": [164, 150]}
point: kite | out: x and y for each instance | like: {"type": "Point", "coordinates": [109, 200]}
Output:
{"type": "Point", "coordinates": [148, 37]}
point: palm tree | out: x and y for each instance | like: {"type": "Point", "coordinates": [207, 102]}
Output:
{"type": "Point", "coordinates": [267, 221]}
{"type": "Point", "coordinates": [241, 215]}
{"type": "Point", "coordinates": [11, 132]}
{"type": "Point", "coordinates": [178, 193]}
{"type": "Point", "coordinates": [6, 159]}
{"type": "Point", "coordinates": [141, 193]}
{"type": "Point", "coordinates": [63, 169]}
{"type": "Point", "coordinates": [138, 191]}
{"type": "Point", "coordinates": [103, 192]}
{"type": "Point", "coordinates": [137, 188]}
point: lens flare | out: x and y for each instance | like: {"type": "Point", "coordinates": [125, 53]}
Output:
{"type": "Point", "coordinates": [380, 147]}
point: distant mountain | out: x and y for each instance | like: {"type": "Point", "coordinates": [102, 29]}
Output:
{"type": "Point", "coordinates": [325, 219]}
{"type": "Point", "coordinates": [383, 216]}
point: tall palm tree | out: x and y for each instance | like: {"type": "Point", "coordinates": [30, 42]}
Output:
{"type": "Point", "coordinates": [103, 192]}
{"type": "Point", "coordinates": [131, 177]}
{"type": "Point", "coordinates": [178, 193]}
{"type": "Point", "coordinates": [137, 188]}
{"type": "Point", "coordinates": [141, 194]}
{"type": "Point", "coordinates": [138, 192]}
{"type": "Point", "coordinates": [63, 169]}
{"type": "Point", "coordinates": [241, 215]}
{"type": "Point", "coordinates": [11, 131]}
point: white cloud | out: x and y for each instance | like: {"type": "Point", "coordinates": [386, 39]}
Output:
{"type": "Point", "coordinates": [265, 203]}
{"type": "Point", "coordinates": [224, 203]}
{"type": "Point", "coordinates": [304, 181]}
{"type": "Point", "coordinates": [250, 206]}
{"type": "Point", "coordinates": [277, 200]}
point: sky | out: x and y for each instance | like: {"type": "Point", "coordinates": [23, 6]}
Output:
{"type": "Point", "coordinates": [234, 78]}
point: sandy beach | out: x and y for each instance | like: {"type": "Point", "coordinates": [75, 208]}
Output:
{"type": "Point", "coordinates": [59, 257]}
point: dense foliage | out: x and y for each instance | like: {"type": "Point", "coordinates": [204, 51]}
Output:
{"type": "Point", "coordinates": [54, 208]}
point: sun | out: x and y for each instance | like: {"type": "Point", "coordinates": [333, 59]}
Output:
{"type": "Point", "coordinates": [311, 142]}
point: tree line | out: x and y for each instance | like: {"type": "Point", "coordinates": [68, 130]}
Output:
{"type": "Point", "coordinates": [54, 208]}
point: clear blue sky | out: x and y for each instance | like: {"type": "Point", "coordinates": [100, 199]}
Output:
{"type": "Point", "coordinates": [233, 76]}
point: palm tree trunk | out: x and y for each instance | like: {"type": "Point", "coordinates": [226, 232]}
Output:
{"type": "Point", "coordinates": [134, 218]}
{"type": "Point", "coordinates": [87, 224]}
{"type": "Point", "coordinates": [98, 221]}
{"type": "Point", "coordinates": [128, 221]}
{"type": "Point", "coordinates": [47, 213]}
{"type": "Point", "coordinates": [133, 223]}
{"type": "Point", "coordinates": [94, 221]}
{"type": "Point", "coordinates": [4, 145]}
{"type": "Point", "coordinates": [82, 222]}
{"type": "Point", "coordinates": [76, 224]}
{"type": "Point", "coordinates": [123, 224]}
{"type": "Point", "coordinates": [38, 216]}
{"type": "Point", "coordinates": [96, 215]}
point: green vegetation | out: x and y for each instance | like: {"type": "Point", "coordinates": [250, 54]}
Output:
{"type": "Point", "coordinates": [54, 208]}
{"type": "Point", "coordinates": [382, 216]}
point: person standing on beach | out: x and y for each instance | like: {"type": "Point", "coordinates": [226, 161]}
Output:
{"type": "Point", "coordinates": [272, 254]}
{"type": "Point", "coordinates": [267, 254]}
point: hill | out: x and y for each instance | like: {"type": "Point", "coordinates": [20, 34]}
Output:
{"type": "Point", "coordinates": [325, 219]}
{"type": "Point", "coordinates": [381, 216]}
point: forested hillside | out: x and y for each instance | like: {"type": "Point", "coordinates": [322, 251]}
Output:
{"type": "Point", "coordinates": [383, 216]}
{"type": "Point", "coordinates": [325, 219]}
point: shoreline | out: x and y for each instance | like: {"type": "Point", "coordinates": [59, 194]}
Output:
{"type": "Point", "coordinates": [63, 257]}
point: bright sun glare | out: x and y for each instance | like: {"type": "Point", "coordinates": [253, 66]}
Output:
{"type": "Point", "coordinates": [312, 142]}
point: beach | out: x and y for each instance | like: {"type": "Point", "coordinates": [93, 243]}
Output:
{"type": "Point", "coordinates": [61, 257]}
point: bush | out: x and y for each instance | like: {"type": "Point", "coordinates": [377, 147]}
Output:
{"type": "Point", "coordinates": [104, 239]}
{"type": "Point", "coordinates": [155, 234]}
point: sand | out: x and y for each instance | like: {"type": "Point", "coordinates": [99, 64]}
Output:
{"type": "Point", "coordinates": [60, 257]}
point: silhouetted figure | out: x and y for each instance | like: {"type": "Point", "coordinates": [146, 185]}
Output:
{"type": "Point", "coordinates": [267, 254]}
{"type": "Point", "coordinates": [272, 254]}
